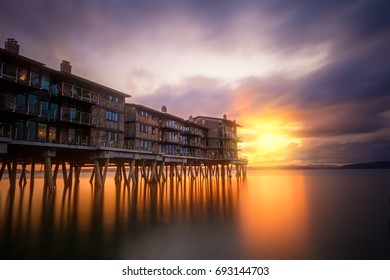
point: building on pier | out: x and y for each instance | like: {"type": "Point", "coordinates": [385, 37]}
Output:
{"type": "Point", "coordinates": [222, 139]}
{"type": "Point", "coordinates": [39, 104]}
{"type": "Point", "coordinates": [160, 132]}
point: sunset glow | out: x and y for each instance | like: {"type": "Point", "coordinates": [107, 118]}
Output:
{"type": "Point", "coordinates": [307, 81]}
{"type": "Point", "coordinates": [268, 142]}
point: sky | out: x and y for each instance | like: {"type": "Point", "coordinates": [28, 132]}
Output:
{"type": "Point", "coordinates": [309, 81]}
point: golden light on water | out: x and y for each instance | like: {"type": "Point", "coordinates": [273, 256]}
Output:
{"type": "Point", "coordinates": [274, 218]}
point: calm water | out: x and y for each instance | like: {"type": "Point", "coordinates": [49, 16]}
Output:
{"type": "Point", "coordinates": [310, 214]}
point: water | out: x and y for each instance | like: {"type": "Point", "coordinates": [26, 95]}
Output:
{"type": "Point", "coordinates": [300, 214]}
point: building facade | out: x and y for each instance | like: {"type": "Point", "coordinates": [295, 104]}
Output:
{"type": "Point", "coordinates": [159, 132]}
{"type": "Point", "coordinates": [222, 139]}
{"type": "Point", "coordinates": [39, 104]}
{"type": "Point", "coordinates": [44, 105]}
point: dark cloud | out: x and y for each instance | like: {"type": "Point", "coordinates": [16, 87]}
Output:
{"type": "Point", "coordinates": [347, 97]}
{"type": "Point", "coordinates": [195, 96]}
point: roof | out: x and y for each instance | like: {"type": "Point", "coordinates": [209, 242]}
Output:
{"type": "Point", "coordinates": [61, 73]}
{"type": "Point", "coordinates": [165, 114]}
{"type": "Point", "coordinates": [218, 119]}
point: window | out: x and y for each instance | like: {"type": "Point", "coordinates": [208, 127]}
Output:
{"type": "Point", "coordinates": [112, 116]}
{"type": "Point", "coordinates": [113, 98]}
{"type": "Point", "coordinates": [153, 130]}
{"type": "Point", "coordinates": [143, 114]}
{"type": "Point", "coordinates": [143, 128]}
{"type": "Point", "coordinates": [143, 144]}
{"type": "Point", "coordinates": [23, 75]}
{"type": "Point", "coordinates": [45, 81]}
{"type": "Point", "coordinates": [35, 79]}
{"type": "Point", "coordinates": [42, 132]}
{"type": "Point", "coordinates": [112, 136]}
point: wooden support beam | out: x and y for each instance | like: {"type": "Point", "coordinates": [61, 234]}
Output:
{"type": "Point", "coordinates": [55, 172]}
{"type": "Point", "coordinates": [92, 175]}
{"type": "Point", "coordinates": [48, 173]}
{"type": "Point", "coordinates": [22, 179]}
{"type": "Point", "coordinates": [201, 171]}
{"type": "Point", "coordinates": [238, 170]}
{"type": "Point", "coordinates": [2, 170]}
{"type": "Point", "coordinates": [125, 177]}
{"type": "Point", "coordinates": [132, 171]}
{"type": "Point", "coordinates": [64, 173]}
{"type": "Point", "coordinates": [118, 172]}
{"type": "Point", "coordinates": [105, 170]}
{"type": "Point", "coordinates": [69, 180]}
{"type": "Point", "coordinates": [244, 170]}
{"type": "Point", "coordinates": [153, 175]}
{"type": "Point", "coordinates": [32, 174]}
{"type": "Point", "coordinates": [161, 173]}
{"type": "Point", "coordinates": [229, 170]}
{"type": "Point", "coordinates": [77, 171]}
{"type": "Point", "coordinates": [98, 174]}
{"type": "Point", "coordinates": [12, 172]}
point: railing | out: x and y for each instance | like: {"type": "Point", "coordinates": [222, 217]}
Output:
{"type": "Point", "coordinates": [8, 103]}
{"type": "Point", "coordinates": [20, 75]}
{"type": "Point", "coordinates": [78, 93]}
{"type": "Point", "coordinates": [74, 116]}
{"type": "Point", "coordinates": [5, 130]}
{"type": "Point", "coordinates": [34, 79]}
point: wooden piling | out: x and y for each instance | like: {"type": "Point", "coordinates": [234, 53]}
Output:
{"type": "Point", "coordinates": [48, 173]}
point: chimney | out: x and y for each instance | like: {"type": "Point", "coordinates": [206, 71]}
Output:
{"type": "Point", "coordinates": [224, 117]}
{"type": "Point", "coordinates": [164, 109]}
{"type": "Point", "coordinates": [66, 67]}
{"type": "Point", "coordinates": [12, 46]}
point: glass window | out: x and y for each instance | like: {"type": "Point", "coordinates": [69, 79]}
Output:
{"type": "Point", "coordinates": [54, 89]}
{"type": "Point", "coordinates": [18, 130]}
{"type": "Point", "coordinates": [42, 132]}
{"type": "Point", "coordinates": [44, 108]}
{"type": "Point", "coordinates": [33, 106]}
{"type": "Point", "coordinates": [23, 76]}
{"type": "Point", "coordinates": [72, 113]}
{"type": "Point", "coordinates": [35, 79]}
{"type": "Point", "coordinates": [21, 103]}
{"type": "Point", "coordinates": [71, 135]}
{"type": "Point", "coordinates": [52, 134]}
{"type": "Point", "coordinates": [31, 128]}
{"type": "Point", "coordinates": [53, 111]}
{"type": "Point", "coordinates": [9, 71]}
{"type": "Point", "coordinates": [45, 81]}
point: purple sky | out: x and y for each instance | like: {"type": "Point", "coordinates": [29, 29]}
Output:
{"type": "Point", "coordinates": [308, 80]}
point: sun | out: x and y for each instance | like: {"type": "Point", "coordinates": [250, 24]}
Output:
{"type": "Point", "coordinates": [267, 141]}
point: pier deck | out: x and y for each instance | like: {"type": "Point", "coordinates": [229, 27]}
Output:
{"type": "Point", "coordinates": [153, 167]}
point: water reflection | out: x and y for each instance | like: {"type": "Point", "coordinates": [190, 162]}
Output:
{"type": "Point", "coordinates": [274, 217]}
{"type": "Point", "coordinates": [117, 221]}
{"type": "Point", "coordinates": [321, 214]}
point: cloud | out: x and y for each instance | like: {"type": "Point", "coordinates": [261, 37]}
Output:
{"type": "Point", "coordinates": [316, 70]}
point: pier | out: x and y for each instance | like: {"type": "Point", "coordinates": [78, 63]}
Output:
{"type": "Point", "coordinates": [129, 164]}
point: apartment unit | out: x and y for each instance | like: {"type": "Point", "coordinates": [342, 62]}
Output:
{"type": "Point", "coordinates": [159, 132]}
{"type": "Point", "coordinates": [40, 104]}
{"type": "Point", "coordinates": [222, 140]}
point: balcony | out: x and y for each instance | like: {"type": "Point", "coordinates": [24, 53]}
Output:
{"type": "Point", "coordinates": [79, 93]}
{"type": "Point", "coordinates": [23, 76]}
{"type": "Point", "coordinates": [73, 116]}
{"type": "Point", "coordinates": [9, 103]}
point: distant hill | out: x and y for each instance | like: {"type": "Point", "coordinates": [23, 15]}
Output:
{"type": "Point", "coordinates": [365, 165]}
{"type": "Point", "coordinates": [368, 165]}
